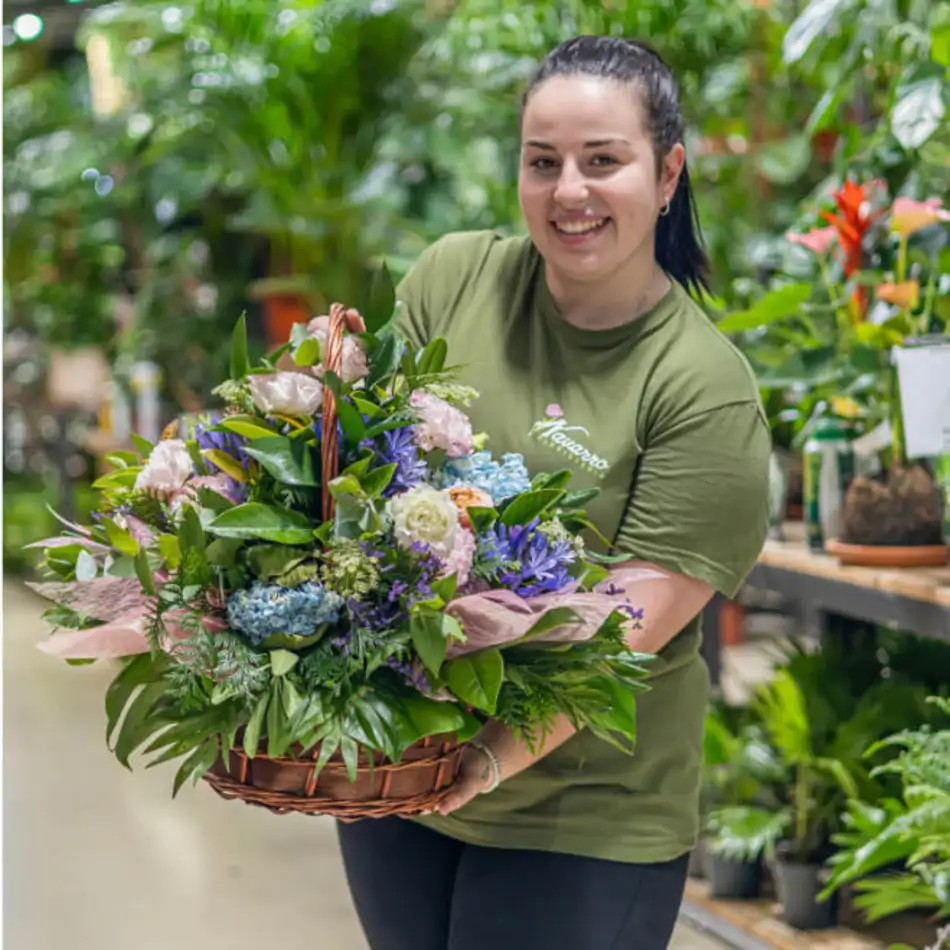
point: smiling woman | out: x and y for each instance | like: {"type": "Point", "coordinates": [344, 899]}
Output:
{"type": "Point", "coordinates": [590, 353]}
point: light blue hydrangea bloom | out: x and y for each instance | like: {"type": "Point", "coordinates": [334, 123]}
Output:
{"type": "Point", "coordinates": [261, 610]}
{"type": "Point", "coordinates": [500, 480]}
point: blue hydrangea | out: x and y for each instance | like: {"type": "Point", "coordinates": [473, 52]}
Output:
{"type": "Point", "coordinates": [261, 610]}
{"type": "Point", "coordinates": [501, 480]}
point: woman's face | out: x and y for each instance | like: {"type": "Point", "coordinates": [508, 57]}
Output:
{"type": "Point", "coordinates": [588, 181]}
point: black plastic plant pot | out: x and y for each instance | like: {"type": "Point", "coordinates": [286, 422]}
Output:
{"type": "Point", "coordinates": [799, 885]}
{"type": "Point", "coordinates": [730, 879]}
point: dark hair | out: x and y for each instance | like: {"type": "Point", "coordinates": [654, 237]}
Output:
{"type": "Point", "coordinates": [679, 244]}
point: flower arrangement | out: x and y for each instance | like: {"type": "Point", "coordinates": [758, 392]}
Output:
{"type": "Point", "coordinates": [335, 570]}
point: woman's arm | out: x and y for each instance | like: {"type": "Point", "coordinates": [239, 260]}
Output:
{"type": "Point", "coordinates": [669, 604]}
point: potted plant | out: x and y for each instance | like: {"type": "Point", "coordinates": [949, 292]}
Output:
{"type": "Point", "coordinates": [896, 851]}
{"type": "Point", "coordinates": [893, 518]}
{"type": "Point", "coordinates": [744, 819]}
{"type": "Point", "coordinates": [813, 798]}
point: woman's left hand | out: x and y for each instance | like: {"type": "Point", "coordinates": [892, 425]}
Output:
{"type": "Point", "coordinates": [475, 775]}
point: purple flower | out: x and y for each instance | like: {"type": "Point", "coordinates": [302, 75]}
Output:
{"type": "Point", "coordinates": [230, 443]}
{"type": "Point", "coordinates": [398, 446]}
{"type": "Point", "coordinates": [411, 676]}
{"type": "Point", "coordinates": [527, 561]}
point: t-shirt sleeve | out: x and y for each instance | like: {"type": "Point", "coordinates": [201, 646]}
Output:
{"type": "Point", "coordinates": [436, 284]}
{"type": "Point", "coordinates": [700, 500]}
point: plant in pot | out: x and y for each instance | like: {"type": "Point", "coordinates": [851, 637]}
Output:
{"type": "Point", "coordinates": [743, 815]}
{"type": "Point", "coordinates": [896, 851]}
{"type": "Point", "coordinates": [893, 249]}
{"type": "Point", "coordinates": [812, 800]}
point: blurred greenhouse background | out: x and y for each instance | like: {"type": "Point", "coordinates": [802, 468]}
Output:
{"type": "Point", "coordinates": [168, 166]}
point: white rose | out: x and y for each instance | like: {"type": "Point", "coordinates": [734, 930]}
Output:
{"type": "Point", "coordinates": [425, 515]}
{"type": "Point", "coordinates": [290, 394]}
{"type": "Point", "coordinates": [167, 468]}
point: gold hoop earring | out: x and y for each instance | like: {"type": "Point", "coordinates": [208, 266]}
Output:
{"type": "Point", "coordinates": [666, 210]}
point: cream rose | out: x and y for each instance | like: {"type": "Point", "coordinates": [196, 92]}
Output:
{"type": "Point", "coordinates": [425, 515]}
{"type": "Point", "coordinates": [290, 394]}
{"type": "Point", "coordinates": [354, 356]}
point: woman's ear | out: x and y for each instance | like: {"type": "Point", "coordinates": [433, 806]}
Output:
{"type": "Point", "coordinates": [673, 164]}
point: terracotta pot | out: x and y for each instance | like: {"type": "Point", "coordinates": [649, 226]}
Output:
{"type": "Point", "coordinates": [875, 555]}
{"type": "Point", "coordinates": [281, 312]}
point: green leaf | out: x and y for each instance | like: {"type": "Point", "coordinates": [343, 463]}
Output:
{"type": "Point", "coordinates": [425, 628]}
{"type": "Point", "coordinates": [354, 429]}
{"type": "Point", "coordinates": [144, 572]}
{"type": "Point", "coordinates": [137, 672]}
{"type": "Point", "coordinates": [345, 485]}
{"type": "Point", "coordinates": [137, 726]}
{"type": "Point", "coordinates": [86, 567]}
{"type": "Point", "coordinates": [384, 359]}
{"type": "Point", "coordinates": [431, 359]}
{"type": "Point", "coordinates": [813, 22]}
{"type": "Point", "coordinates": [776, 305]}
{"type": "Point", "coordinates": [308, 352]}
{"type": "Point", "coordinates": [558, 479]}
{"type": "Point", "coordinates": [290, 461]}
{"type": "Point", "coordinates": [377, 481]}
{"type": "Point", "coordinates": [251, 427]}
{"type": "Point", "coordinates": [222, 552]}
{"type": "Point", "coordinates": [268, 522]}
{"type": "Point", "coordinates": [278, 733]}
{"type": "Point", "coordinates": [378, 299]}
{"type": "Point", "coordinates": [359, 468]}
{"type": "Point", "coordinates": [229, 465]}
{"type": "Point", "coordinates": [252, 734]}
{"type": "Point", "coordinates": [170, 551]}
{"type": "Point", "coordinates": [125, 478]}
{"type": "Point", "coordinates": [420, 717]}
{"type": "Point", "coordinates": [351, 755]}
{"type": "Point", "coordinates": [284, 641]}
{"type": "Point", "coordinates": [282, 662]}
{"type": "Point", "coordinates": [122, 460]}
{"type": "Point", "coordinates": [240, 363]}
{"type": "Point", "coordinates": [196, 764]}
{"type": "Point", "coordinates": [482, 518]}
{"type": "Point", "coordinates": [191, 535]}
{"type": "Point", "coordinates": [476, 678]}
{"type": "Point", "coordinates": [577, 499]}
{"type": "Point", "coordinates": [919, 109]}
{"type": "Point", "coordinates": [940, 43]}
{"type": "Point", "coordinates": [143, 446]}
{"type": "Point", "coordinates": [530, 505]}
{"type": "Point", "coordinates": [272, 560]}
{"type": "Point", "coordinates": [622, 705]}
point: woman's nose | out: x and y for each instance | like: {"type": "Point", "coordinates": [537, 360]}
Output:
{"type": "Point", "coordinates": [571, 185]}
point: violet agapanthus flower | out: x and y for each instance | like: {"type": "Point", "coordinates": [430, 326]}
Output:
{"type": "Point", "coordinates": [398, 445]}
{"type": "Point", "coordinates": [527, 561]}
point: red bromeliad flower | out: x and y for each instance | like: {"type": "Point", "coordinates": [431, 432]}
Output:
{"type": "Point", "coordinates": [853, 220]}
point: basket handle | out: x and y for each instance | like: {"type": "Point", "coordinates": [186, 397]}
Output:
{"type": "Point", "coordinates": [329, 450]}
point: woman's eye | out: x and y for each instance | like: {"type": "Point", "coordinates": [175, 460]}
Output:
{"type": "Point", "coordinates": [542, 164]}
{"type": "Point", "coordinates": [604, 161]}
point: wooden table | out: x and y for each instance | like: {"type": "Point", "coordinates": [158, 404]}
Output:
{"type": "Point", "coordinates": [821, 591]}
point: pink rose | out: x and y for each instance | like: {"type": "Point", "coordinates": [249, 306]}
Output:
{"type": "Point", "coordinates": [441, 426]}
{"type": "Point", "coordinates": [354, 356]}
{"type": "Point", "coordinates": [289, 394]}
{"type": "Point", "coordinates": [461, 557]}
{"type": "Point", "coordinates": [167, 469]}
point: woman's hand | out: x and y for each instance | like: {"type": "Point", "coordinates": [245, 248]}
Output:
{"type": "Point", "coordinates": [475, 776]}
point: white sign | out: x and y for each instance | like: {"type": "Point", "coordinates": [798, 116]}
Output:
{"type": "Point", "coordinates": [924, 376]}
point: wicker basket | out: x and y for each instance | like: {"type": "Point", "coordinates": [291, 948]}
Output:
{"type": "Point", "coordinates": [285, 785]}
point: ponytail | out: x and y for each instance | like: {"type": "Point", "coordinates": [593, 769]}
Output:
{"type": "Point", "coordinates": [679, 246]}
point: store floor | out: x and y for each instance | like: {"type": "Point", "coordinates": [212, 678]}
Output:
{"type": "Point", "coordinates": [97, 858]}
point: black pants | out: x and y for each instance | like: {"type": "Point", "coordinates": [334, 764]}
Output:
{"type": "Point", "coordinates": [415, 889]}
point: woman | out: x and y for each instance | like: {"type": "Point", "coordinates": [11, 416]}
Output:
{"type": "Point", "coordinates": [590, 353]}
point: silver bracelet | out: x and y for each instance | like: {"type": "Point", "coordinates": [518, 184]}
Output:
{"type": "Point", "coordinates": [493, 759]}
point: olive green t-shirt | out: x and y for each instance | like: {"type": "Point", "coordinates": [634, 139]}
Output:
{"type": "Point", "coordinates": [663, 415]}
